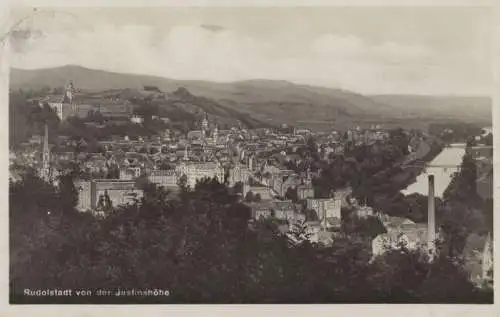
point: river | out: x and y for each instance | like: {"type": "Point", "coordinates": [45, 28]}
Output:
{"type": "Point", "coordinates": [449, 156]}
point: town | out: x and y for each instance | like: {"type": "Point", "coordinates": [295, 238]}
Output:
{"type": "Point", "coordinates": [314, 185]}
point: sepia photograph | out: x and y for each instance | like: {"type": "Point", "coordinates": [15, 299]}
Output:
{"type": "Point", "coordinates": [250, 155]}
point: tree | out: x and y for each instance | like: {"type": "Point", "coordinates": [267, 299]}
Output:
{"type": "Point", "coordinates": [463, 186]}
{"type": "Point", "coordinates": [142, 182]}
{"type": "Point", "coordinates": [291, 166]}
{"type": "Point", "coordinates": [113, 171]}
{"type": "Point", "coordinates": [68, 193]}
{"type": "Point", "coordinates": [238, 187]}
{"type": "Point", "coordinates": [291, 194]}
{"type": "Point", "coordinates": [368, 228]}
{"type": "Point", "coordinates": [182, 182]}
{"type": "Point", "coordinates": [206, 230]}
{"type": "Point", "coordinates": [298, 233]}
{"type": "Point", "coordinates": [416, 280]}
{"type": "Point", "coordinates": [165, 166]}
{"type": "Point", "coordinates": [107, 202]}
{"type": "Point", "coordinates": [398, 138]}
{"type": "Point", "coordinates": [488, 140]}
{"type": "Point", "coordinates": [458, 222]}
{"type": "Point", "coordinates": [249, 197]}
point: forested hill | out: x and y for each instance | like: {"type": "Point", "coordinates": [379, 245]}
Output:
{"type": "Point", "coordinates": [269, 101]}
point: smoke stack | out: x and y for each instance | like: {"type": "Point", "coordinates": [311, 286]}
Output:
{"type": "Point", "coordinates": [431, 216]}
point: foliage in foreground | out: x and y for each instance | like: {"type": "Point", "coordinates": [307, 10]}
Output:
{"type": "Point", "coordinates": [202, 249]}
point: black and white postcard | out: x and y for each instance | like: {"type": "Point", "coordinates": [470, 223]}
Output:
{"type": "Point", "coordinates": [250, 154]}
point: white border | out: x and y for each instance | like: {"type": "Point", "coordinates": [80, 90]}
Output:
{"type": "Point", "coordinates": [231, 310]}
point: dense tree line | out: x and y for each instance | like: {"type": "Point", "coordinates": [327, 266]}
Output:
{"type": "Point", "coordinates": [28, 118]}
{"type": "Point", "coordinates": [454, 132]}
{"type": "Point", "coordinates": [463, 211]}
{"type": "Point", "coordinates": [201, 247]}
{"type": "Point", "coordinates": [360, 167]}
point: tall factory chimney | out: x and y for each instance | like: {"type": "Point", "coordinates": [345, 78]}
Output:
{"type": "Point", "coordinates": [431, 217]}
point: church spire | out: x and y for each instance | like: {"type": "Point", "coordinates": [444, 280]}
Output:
{"type": "Point", "coordinates": [46, 156]}
{"type": "Point", "coordinates": [204, 126]}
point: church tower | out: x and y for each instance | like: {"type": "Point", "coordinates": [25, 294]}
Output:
{"type": "Point", "coordinates": [68, 99]}
{"type": "Point", "coordinates": [45, 172]}
{"type": "Point", "coordinates": [204, 126]}
{"type": "Point", "coordinates": [69, 93]}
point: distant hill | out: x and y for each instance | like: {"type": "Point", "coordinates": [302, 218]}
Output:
{"type": "Point", "coordinates": [267, 101]}
{"type": "Point", "coordinates": [470, 109]}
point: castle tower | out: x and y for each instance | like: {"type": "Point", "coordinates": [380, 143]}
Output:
{"type": "Point", "coordinates": [431, 218]}
{"type": "Point", "coordinates": [45, 172]}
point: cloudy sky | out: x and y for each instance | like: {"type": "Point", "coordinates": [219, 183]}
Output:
{"type": "Point", "coordinates": [375, 50]}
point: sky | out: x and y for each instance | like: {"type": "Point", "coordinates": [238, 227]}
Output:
{"type": "Point", "coordinates": [371, 50]}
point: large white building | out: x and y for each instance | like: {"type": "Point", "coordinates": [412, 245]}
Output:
{"type": "Point", "coordinates": [195, 171]}
{"type": "Point", "coordinates": [66, 105]}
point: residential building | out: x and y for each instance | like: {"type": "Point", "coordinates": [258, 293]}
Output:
{"type": "Point", "coordinates": [165, 178]}
{"type": "Point", "coordinates": [196, 171]}
{"type": "Point", "coordinates": [260, 210]}
{"type": "Point", "coordinates": [325, 207]}
{"type": "Point", "coordinates": [263, 192]}
{"type": "Point", "coordinates": [305, 191]}
{"type": "Point", "coordinates": [363, 212]}
{"type": "Point", "coordinates": [400, 232]}
{"type": "Point", "coordinates": [284, 210]}
{"type": "Point", "coordinates": [120, 192]}
{"type": "Point", "coordinates": [137, 119]}
{"type": "Point", "coordinates": [130, 172]}
{"type": "Point", "coordinates": [238, 173]}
